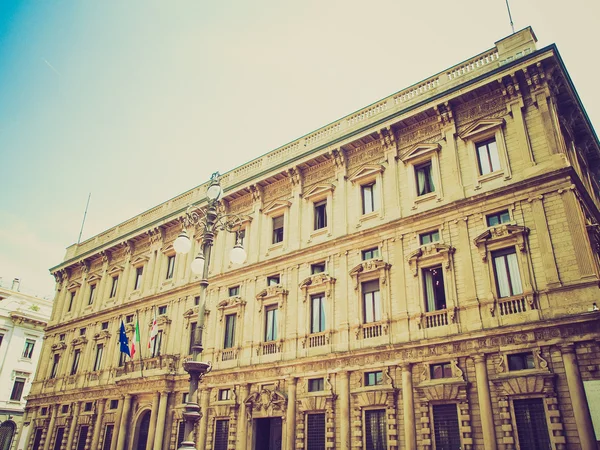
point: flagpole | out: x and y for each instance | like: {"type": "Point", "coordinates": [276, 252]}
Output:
{"type": "Point", "coordinates": [137, 334]}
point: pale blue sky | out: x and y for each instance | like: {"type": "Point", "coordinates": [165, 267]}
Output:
{"type": "Point", "coordinates": [138, 101]}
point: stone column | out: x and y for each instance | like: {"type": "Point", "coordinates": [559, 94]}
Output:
{"type": "Point", "coordinates": [152, 429]}
{"type": "Point", "coordinates": [98, 423]}
{"type": "Point", "coordinates": [290, 422]}
{"type": "Point", "coordinates": [242, 421]}
{"type": "Point", "coordinates": [160, 421]}
{"type": "Point", "coordinates": [581, 410]}
{"type": "Point", "coordinates": [485, 403]}
{"type": "Point", "coordinates": [201, 441]}
{"type": "Point", "coordinates": [344, 419]}
{"type": "Point", "coordinates": [123, 423]}
{"type": "Point", "coordinates": [408, 403]}
{"type": "Point", "coordinates": [73, 425]}
{"type": "Point", "coordinates": [53, 414]}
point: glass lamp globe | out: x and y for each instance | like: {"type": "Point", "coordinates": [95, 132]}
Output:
{"type": "Point", "coordinates": [214, 192]}
{"type": "Point", "coordinates": [237, 254]}
{"type": "Point", "coordinates": [198, 264]}
{"type": "Point", "coordinates": [182, 244]}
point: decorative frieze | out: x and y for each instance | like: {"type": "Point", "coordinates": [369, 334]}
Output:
{"type": "Point", "coordinates": [425, 131]}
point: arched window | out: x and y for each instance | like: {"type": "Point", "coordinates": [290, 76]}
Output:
{"type": "Point", "coordinates": [7, 431]}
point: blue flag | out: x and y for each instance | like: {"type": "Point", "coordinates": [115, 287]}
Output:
{"type": "Point", "coordinates": [123, 340]}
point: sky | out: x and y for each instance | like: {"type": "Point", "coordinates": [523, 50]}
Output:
{"type": "Point", "coordinates": [138, 101]}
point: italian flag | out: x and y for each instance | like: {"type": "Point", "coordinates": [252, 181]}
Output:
{"type": "Point", "coordinates": [136, 339]}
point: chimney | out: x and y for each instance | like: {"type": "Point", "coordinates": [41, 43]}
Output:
{"type": "Point", "coordinates": [16, 283]}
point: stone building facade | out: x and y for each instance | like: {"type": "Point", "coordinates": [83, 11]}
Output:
{"type": "Point", "coordinates": [421, 274]}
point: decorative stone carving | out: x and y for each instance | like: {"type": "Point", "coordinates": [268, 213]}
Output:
{"type": "Point", "coordinates": [231, 303]}
{"type": "Point", "coordinates": [276, 292]}
{"type": "Point", "coordinates": [266, 402]}
{"type": "Point", "coordinates": [320, 280]}
{"type": "Point", "coordinates": [103, 334]}
{"type": "Point", "coordinates": [58, 346]}
{"type": "Point", "coordinates": [514, 233]}
{"type": "Point", "coordinates": [435, 250]}
{"type": "Point", "coordinates": [371, 265]}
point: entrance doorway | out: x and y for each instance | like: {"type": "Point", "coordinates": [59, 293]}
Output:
{"type": "Point", "coordinates": [268, 433]}
{"type": "Point", "coordinates": [142, 439]}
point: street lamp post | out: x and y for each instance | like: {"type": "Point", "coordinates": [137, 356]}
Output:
{"type": "Point", "coordinates": [210, 220]}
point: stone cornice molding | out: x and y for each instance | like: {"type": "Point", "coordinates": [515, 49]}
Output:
{"type": "Point", "coordinates": [272, 292]}
{"type": "Point", "coordinates": [370, 266]}
{"type": "Point", "coordinates": [510, 234]}
{"type": "Point", "coordinates": [235, 304]}
{"type": "Point", "coordinates": [316, 282]}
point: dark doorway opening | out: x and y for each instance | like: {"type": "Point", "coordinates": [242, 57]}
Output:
{"type": "Point", "coordinates": [268, 433]}
{"type": "Point", "coordinates": [142, 440]}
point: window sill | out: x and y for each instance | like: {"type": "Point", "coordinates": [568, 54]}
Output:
{"type": "Point", "coordinates": [368, 216]}
{"type": "Point", "coordinates": [425, 197]}
{"type": "Point", "coordinates": [317, 233]}
{"type": "Point", "coordinates": [489, 177]}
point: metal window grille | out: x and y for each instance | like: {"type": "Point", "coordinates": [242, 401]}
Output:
{"type": "Point", "coordinates": [7, 431]}
{"type": "Point", "coordinates": [315, 431]}
{"type": "Point", "coordinates": [108, 437]}
{"type": "Point", "coordinates": [180, 433]}
{"type": "Point", "coordinates": [221, 434]}
{"type": "Point", "coordinates": [445, 425]}
{"type": "Point", "coordinates": [532, 427]}
{"type": "Point", "coordinates": [83, 432]}
{"type": "Point", "coordinates": [60, 434]}
{"type": "Point", "coordinates": [375, 435]}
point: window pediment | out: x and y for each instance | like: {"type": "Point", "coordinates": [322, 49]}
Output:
{"type": "Point", "coordinates": [163, 319]}
{"type": "Point", "coordinates": [514, 383]}
{"type": "Point", "coordinates": [104, 334]}
{"type": "Point", "coordinates": [266, 400]}
{"type": "Point", "coordinates": [481, 127]}
{"type": "Point", "coordinates": [230, 304]}
{"type": "Point", "coordinates": [93, 278]}
{"type": "Point", "coordinates": [317, 282]}
{"type": "Point", "coordinates": [140, 261]}
{"type": "Point", "coordinates": [115, 270]}
{"type": "Point", "coordinates": [367, 171]}
{"type": "Point", "coordinates": [73, 285]}
{"type": "Point", "coordinates": [502, 234]}
{"type": "Point", "coordinates": [320, 190]}
{"type": "Point", "coordinates": [430, 252]}
{"type": "Point", "coordinates": [275, 207]}
{"type": "Point", "coordinates": [419, 150]}
{"type": "Point", "coordinates": [169, 250]}
{"type": "Point", "coordinates": [450, 389]}
{"type": "Point", "coordinates": [277, 293]}
{"type": "Point", "coordinates": [80, 340]}
{"type": "Point", "coordinates": [370, 266]}
{"type": "Point", "coordinates": [58, 346]}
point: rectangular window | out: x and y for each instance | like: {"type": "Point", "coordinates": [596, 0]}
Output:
{"type": "Point", "coordinates": [374, 378]}
{"type": "Point", "coordinates": [180, 433]}
{"type": "Point", "coordinates": [157, 343]}
{"type": "Point", "coordinates": [114, 403]}
{"type": "Point", "coordinates": [55, 361]}
{"type": "Point", "coordinates": [62, 337]}
{"type": "Point", "coordinates": [162, 310]}
{"type": "Point", "coordinates": [424, 177]}
{"type": "Point", "coordinates": [139, 271]}
{"type": "Point", "coordinates": [271, 323]}
{"type": "Point", "coordinates": [104, 326]}
{"type": "Point", "coordinates": [37, 439]}
{"type": "Point", "coordinates": [129, 318]}
{"type": "Point", "coordinates": [315, 384]}
{"type": "Point", "coordinates": [497, 218]}
{"type": "Point", "coordinates": [320, 214]}
{"type": "Point", "coordinates": [87, 407]}
{"type": "Point", "coordinates": [71, 300]}
{"type": "Point", "coordinates": [82, 331]}
{"type": "Point", "coordinates": [193, 327]}
{"type": "Point", "coordinates": [277, 229]}
{"type": "Point", "coordinates": [428, 238]}
{"type": "Point", "coordinates": [371, 301]}
{"type": "Point", "coordinates": [184, 397]}
{"type": "Point", "coordinates": [224, 394]}
{"type": "Point", "coordinates": [315, 431]}
{"type": "Point", "coordinates": [17, 390]}
{"type": "Point", "coordinates": [273, 280]}
{"type": "Point", "coordinates": [113, 286]}
{"type": "Point", "coordinates": [75, 365]}
{"type": "Point", "coordinates": [229, 340]}
{"type": "Point", "coordinates": [44, 411]}
{"type": "Point", "coordinates": [98, 360]}
{"type": "Point", "coordinates": [369, 198]}
{"type": "Point", "coordinates": [487, 157]}
{"type": "Point", "coordinates": [60, 434]}
{"type": "Point", "coordinates": [440, 370]}
{"type": "Point", "coordinates": [317, 268]}
{"type": "Point", "coordinates": [506, 270]}
{"type": "Point", "coordinates": [170, 266]}
{"type": "Point", "coordinates": [375, 430]}
{"type": "Point", "coordinates": [433, 284]}
{"type": "Point", "coordinates": [317, 316]}
{"type": "Point", "coordinates": [532, 427]}
{"type": "Point", "coordinates": [108, 436]}
{"type": "Point", "coordinates": [83, 432]}
{"type": "Point", "coordinates": [196, 300]}
{"type": "Point", "coordinates": [445, 427]}
{"type": "Point", "coordinates": [520, 361]}
{"type": "Point", "coordinates": [221, 434]}
{"type": "Point", "coordinates": [234, 291]}
{"type": "Point", "coordinates": [92, 294]}
{"type": "Point", "coordinates": [64, 409]}
{"type": "Point", "coordinates": [371, 253]}
{"type": "Point", "coordinates": [28, 350]}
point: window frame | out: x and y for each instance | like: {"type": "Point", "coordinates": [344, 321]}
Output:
{"type": "Point", "coordinates": [275, 324]}
{"type": "Point", "coordinates": [499, 213]}
{"type": "Point", "coordinates": [170, 273]}
{"type": "Point", "coordinates": [320, 385]}
{"type": "Point", "coordinates": [17, 389]}
{"type": "Point", "coordinates": [98, 357]}
{"type": "Point", "coordinates": [54, 366]}
{"type": "Point", "coordinates": [278, 234]}
{"type": "Point", "coordinates": [229, 336]}
{"type": "Point", "coordinates": [523, 357]}
{"type": "Point", "coordinates": [75, 362]}
{"type": "Point", "coordinates": [28, 348]}
{"type": "Point", "coordinates": [320, 215]}
{"type": "Point", "coordinates": [320, 265]}
{"type": "Point", "coordinates": [485, 143]}
{"type": "Point", "coordinates": [138, 280]}
{"type": "Point", "coordinates": [510, 275]}
{"type": "Point", "coordinates": [369, 176]}
{"type": "Point", "coordinates": [92, 293]}
{"type": "Point", "coordinates": [321, 314]}
{"type": "Point", "coordinates": [378, 378]}
{"type": "Point", "coordinates": [436, 301]}
{"type": "Point", "coordinates": [429, 235]}
{"type": "Point", "coordinates": [444, 366]}
{"type": "Point", "coordinates": [416, 156]}
{"type": "Point", "coordinates": [373, 299]}
{"type": "Point", "coordinates": [365, 412]}
{"type": "Point", "coordinates": [375, 253]}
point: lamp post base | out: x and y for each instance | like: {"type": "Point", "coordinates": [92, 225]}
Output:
{"type": "Point", "coordinates": [192, 414]}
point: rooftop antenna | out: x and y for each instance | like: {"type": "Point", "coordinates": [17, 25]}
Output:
{"type": "Point", "coordinates": [84, 215]}
{"type": "Point", "coordinates": [510, 17]}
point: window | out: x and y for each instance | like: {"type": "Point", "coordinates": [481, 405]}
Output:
{"type": "Point", "coordinates": [87, 407]}
{"type": "Point", "coordinates": [497, 218]}
{"type": "Point", "coordinates": [435, 294]}
{"type": "Point", "coordinates": [62, 337]}
{"type": "Point", "coordinates": [440, 370]}
{"type": "Point", "coordinates": [139, 271]}
{"type": "Point", "coordinates": [445, 427]}
{"type": "Point", "coordinates": [196, 300]}
{"type": "Point", "coordinates": [71, 300]}
{"type": "Point", "coordinates": [193, 327]}
{"type": "Point", "coordinates": [221, 434]}
{"type": "Point", "coordinates": [369, 198]}
{"type": "Point", "coordinates": [82, 331]}
{"type": "Point", "coordinates": [108, 436]}
{"type": "Point", "coordinates": [114, 403]}
{"type": "Point", "coordinates": [487, 157]}
{"type": "Point", "coordinates": [162, 310]}
{"type": "Point", "coordinates": [371, 253]}
{"type": "Point", "coordinates": [506, 270]}
{"type": "Point", "coordinates": [375, 426]}
{"type": "Point", "coordinates": [92, 294]}
{"type": "Point", "coordinates": [98, 360]}
{"type": "Point", "coordinates": [273, 280]}
{"type": "Point", "coordinates": [229, 340]}
{"type": "Point", "coordinates": [315, 431]}
{"type": "Point", "coordinates": [44, 411]}
{"type": "Point", "coordinates": [520, 361]}
{"type": "Point", "coordinates": [180, 433]}
{"type": "Point", "coordinates": [315, 385]}
{"type": "Point", "coordinates": [271, 323]}
{"type": "Point", "coordinates": [75, 365]}
{"type": "Point", "coordinates": [28, 350]}
{"type": "Point", "coordinates": [60, 434]}
{"type": "Point", "coordinates": [317, 315]}
{"type": "Point", "coordinates": [532, 427]}
{"type": "Point", "coordinates": [104, 326]}
{"type": "Point", "coordinates": [424, 178]}
{"type": "Point", "coordinates": [1, 338]}
{"type": "Point", "coordinates": [83, 432]}
{"type": "Point", "coordinates": [55, 361]}
{"type": "Point", "coordinates": [64, 409]}
{"type": "Point", "coordinates": [374, 378]}
{"type": "Point", "coordinates": [234, 291]}
{"type": "Point", "coordinates": [277, 229]}
{"type": "Point", "coordinates": [157, 343]}
{"type": "Point", "coordinates": [170, 267]}
{"type": "Point", "coordinates": [184, 397]}
{"type": "Point", "coordinates": [224, 394]}
{"type": "Point", "coordinates": [317, 268]}
{"type": "Point", "coordinates": [17, 390]}
{"type": "Point", "coordinates": [428, 238]}
{"type": "Point", "coordinates": [240, 237]}
{"type": "Point", "coordinates": [129, 318]}
{"type": "Point", "coordinates": [320, 214]}
{"type": "Point", "coordinates": [371, 301]}
{"type": "Point", "coordinates": [113, 287]}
